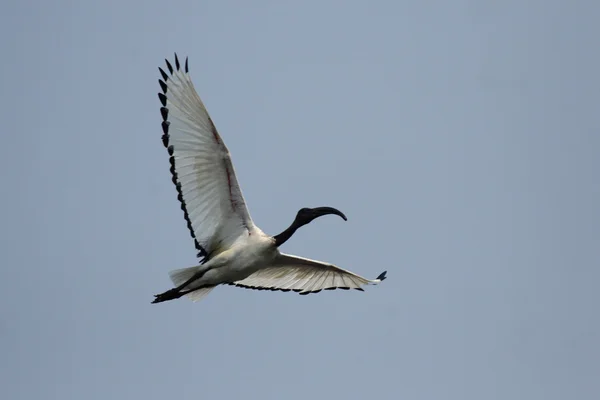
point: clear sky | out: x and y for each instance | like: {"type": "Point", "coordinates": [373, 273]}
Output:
{"type": "Point", "coordinates": [461, 139]}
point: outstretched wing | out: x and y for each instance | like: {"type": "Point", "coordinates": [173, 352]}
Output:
{"type": "Point", "coordinates": [203, 173]}
{"type": "Point", "coordinates": [304, 276]}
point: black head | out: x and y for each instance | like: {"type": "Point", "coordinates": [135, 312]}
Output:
{"type": "Point", "coordinates": [306, 215]}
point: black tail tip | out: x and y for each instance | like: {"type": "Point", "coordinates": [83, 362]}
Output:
{"type": "Point", "coordinates": [382, 276]}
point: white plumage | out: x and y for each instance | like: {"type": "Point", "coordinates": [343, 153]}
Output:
{"type": "Point", "coordinates": [232, 249]}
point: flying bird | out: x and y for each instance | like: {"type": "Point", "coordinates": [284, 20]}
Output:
{"type": "Point", "coordinates": [232, 250]}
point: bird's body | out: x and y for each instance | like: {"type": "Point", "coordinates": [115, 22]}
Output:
{"type": "Point", "coordinates": [232, 249]}
{"type": "Point", "coordinates": [246, 256]}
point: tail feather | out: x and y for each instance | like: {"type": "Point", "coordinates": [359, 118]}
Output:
{"type": "Point", "coordinates": [180, 276]}
{"type": "Point", "coordinates": [199, 294]}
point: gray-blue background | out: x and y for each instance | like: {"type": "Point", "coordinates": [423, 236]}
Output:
{"type": "Point", "coordinates": [461, 139]}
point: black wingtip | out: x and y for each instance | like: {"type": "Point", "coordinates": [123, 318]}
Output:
{"type": "Point", "coordinates": [163, 74]}
{"type": "Point", "coordinates": [163, 85]}
{"type": "Point", "coordinates": [163, 99]}
{"type": "Point", "coordinates": [165, 127]}
{"type": "Point", "coordinates": [382, 276]}
{"type": "Point", "coordinates": [177, 62]}
{"type": "Point", "coordinates": [164, 112]}
{"type": "Point", "coordinates": [186, 65]}
{"type": "Point", "coordinates": [169, 66]}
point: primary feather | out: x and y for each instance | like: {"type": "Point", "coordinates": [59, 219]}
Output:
{"type": "Point", "coordinates": [201, 166]}
{"type": "Point", "coordinates": [304, 276]}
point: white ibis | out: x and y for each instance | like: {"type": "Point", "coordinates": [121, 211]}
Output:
{"type": "Point", "coordinates": [232, 250]}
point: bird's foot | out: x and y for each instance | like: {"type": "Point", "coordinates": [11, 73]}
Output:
{"type": "Point", "coordinates": [171, 294]}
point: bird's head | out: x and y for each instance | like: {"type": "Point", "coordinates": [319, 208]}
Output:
{"type": "Point", "coordinates": [307, 215]}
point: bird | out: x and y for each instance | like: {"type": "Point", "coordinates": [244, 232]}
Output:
{"type": "Point", "coordinates": [231, 249]}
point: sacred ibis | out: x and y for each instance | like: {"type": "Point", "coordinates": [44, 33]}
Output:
{"type": "Point", "coordinates": [232, 250]}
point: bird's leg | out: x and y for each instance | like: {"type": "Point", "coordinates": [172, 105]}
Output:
{"type": "Point", "coordinates": [171, 294]}
{"type": "Point", "coordinates": [176, 293]}
{"type": "Point", "coordinates": [194, 277]}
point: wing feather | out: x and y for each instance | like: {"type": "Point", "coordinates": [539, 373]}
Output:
{"type": "Point", "coordinates": [304, 276]}
{"type": "Point", "coordinates": [203, 173]}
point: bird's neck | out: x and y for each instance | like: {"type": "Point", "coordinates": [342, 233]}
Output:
{"type": "Point", "coordinates": [285, 235]}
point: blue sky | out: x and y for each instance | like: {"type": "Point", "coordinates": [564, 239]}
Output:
{"type": "Point", "coordinates": [460, 139]}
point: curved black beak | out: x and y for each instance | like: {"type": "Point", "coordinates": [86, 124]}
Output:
{"type": "Point", "coordinates": [320, 211]}
{"type": "Point", "coordinates": [305, 216]}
